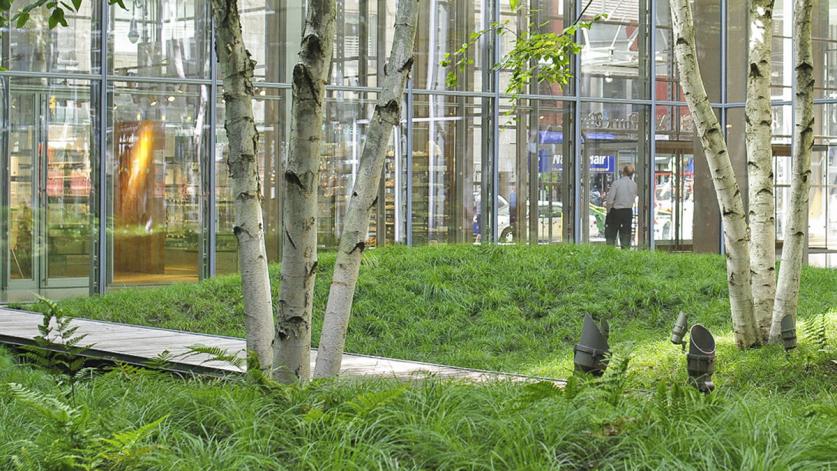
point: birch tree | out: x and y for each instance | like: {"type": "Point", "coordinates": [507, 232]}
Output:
{"type": "Point", "coordinates": [237, 68]}
{"type": "Point", "coordinates": [728, 193]}
{"type": "Point", "coordinates": [387, 115]}
{"type": "Point", "coordinates": [292, 345]}
{"type": "Point", "coordinates": [796, 223]}
{"type": "Point", "coordinates": [758, 136]}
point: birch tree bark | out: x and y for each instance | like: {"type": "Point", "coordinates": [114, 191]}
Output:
{"type": "Point", "coordinates": [736, 232]}
{"type": "Point", "coordinates": [758, 135]}
{"type": "Point", "coordinates": [292, 348]}
{"type": "Point", "coordinates": [237, 69]}
{"type": "Point", "coordinates": [796, 224]}
{"type": "Point", "coordinates": [387, 114]}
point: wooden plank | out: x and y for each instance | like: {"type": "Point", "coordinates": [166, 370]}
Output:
{"type": "Point", "coordinates": [139, 344]}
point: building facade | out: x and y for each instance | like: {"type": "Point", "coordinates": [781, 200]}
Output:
{"type": "Point", "coordinates": [112, 151]}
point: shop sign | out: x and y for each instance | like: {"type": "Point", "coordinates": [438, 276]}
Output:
{"type": "Point", "coordinates": [598, 163]}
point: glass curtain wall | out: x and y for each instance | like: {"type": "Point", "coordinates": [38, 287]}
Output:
{"type": "Point", "coordinates": [113, 149]}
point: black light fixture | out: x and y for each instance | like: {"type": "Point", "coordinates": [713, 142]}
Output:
{"type": "Point", "coordinates": [700, 361]}
{"type": "Point", "coordinates": [789, 332]}
{"type": "Point", "coordinates": [590, 354]}
{"type": "Point", "coordinates": [679, 329]}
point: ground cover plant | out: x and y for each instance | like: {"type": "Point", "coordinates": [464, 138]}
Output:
{"type": "Point", "coordinates": [509, 308]}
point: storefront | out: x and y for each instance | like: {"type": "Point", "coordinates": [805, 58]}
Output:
{"type": "Point", "coordinates": [112, 150]}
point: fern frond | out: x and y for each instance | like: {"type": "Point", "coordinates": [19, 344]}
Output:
{"type": "Point", "coordinates": [48, 406]}
{"type": "Point", "coordinates": [216, 354]}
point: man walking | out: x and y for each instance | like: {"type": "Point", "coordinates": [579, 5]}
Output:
{"type": "Point", "coordinates": [620, 208]}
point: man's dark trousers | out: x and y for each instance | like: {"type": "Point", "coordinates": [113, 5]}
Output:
{"type": "Point", "coordinates": [619, 221]}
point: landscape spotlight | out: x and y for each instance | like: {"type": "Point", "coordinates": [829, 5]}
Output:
{"type": "Point", "coordinates": [679, 329]}
{"type": "Point", "coordinates": [788, 332]}
{"type": "Point", "coordinates": [590, 354]}
{"type": "Point", "coordinates": [700, 361]}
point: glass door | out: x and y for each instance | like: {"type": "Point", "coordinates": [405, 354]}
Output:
{"type": "Point", "coordinates": [48, 219]}
{"type": "Point", "coordinates": [673, 195]}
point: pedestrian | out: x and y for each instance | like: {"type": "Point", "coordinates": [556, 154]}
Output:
{"type": "Point", "coordinates": [619, 204]}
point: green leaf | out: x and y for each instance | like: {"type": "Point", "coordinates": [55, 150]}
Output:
{"type": "Point", "coordinates": [22, 19]}
{"type": "Point", "coordinates": [514, 4]}
{"type": "Point", "coordinates": [57, 18]}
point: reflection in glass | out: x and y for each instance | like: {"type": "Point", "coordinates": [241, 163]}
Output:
{"type": "Point", "coordinates": [160, 39]}
{"type": "Point", "coordinates": [270, 110]}
{"type": "Point", "coordinates": [447, 170]}
{"type": "Point", "coordinates": [50, 151]}
{"type": "Point", "coordinates": [535, 166]}
{"type": "Point", "coordinates": [347, 115]}
{"type": "Point", "coordinates": [37, 48]}
{"type": "Point", "coordinates": [156, 148]}
{"type": "Point", "coordinates": [613, 135]}
{"type": "Point", "coordinates": [674, 179]}
{"type": "Point", "coordinates": [614, 55]}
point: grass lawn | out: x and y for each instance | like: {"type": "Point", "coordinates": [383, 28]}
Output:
{"type": "Point", "coordinates": [507, 308]}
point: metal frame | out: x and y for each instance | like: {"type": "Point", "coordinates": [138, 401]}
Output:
{"type": "Point", "coordinates": [211, 208]}
{"type": "Point", "coordinates": [99, 272]}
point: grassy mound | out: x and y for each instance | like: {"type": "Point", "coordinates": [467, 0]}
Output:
{"type": "Point", "coordinates": [511, 308]}
{"type": "Point", "coordinates": [495, 307]}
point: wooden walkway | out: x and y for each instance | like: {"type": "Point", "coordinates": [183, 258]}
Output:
{"type": "Point", "coordinates": [139, 345]}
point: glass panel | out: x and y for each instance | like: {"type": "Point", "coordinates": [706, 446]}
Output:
{"type": "Point", "coordinates": [613, 136]}
{"type": "Point", "coordinates": [443, 28]}
{"type": "Point", "coordinates": [538, 16]}
{"type": "Point", "coordinates": [157, 144]}
{"type": "Point", "coordinates": [447, 169]}
{"type": "Point", "coordinates": [271, 110]}
{"type": "Point", "coordinates": [781, 76]}
{"type": "Point", "coordinates": [69, 146]}
{"type": "Point", "coordinates": [674, 174]}
{"type": "Point", "coordinates": [737, 14]}
{"type": "Point", "coordinates": [49, 139]}
{"type": "Point", "coordinates": [23, 184]}
{"type": "Point", "coordinates": [782, 170]}
{"type": "Point", "coordinates": [614, 58]}
{"type": "Point", "coordinates": [362, 30]}
{"type": "Point", "coordinates": [535, 150]}
{"type": "Point", "coordinates": [708, 36]}
{"type": "Point", "coordinates": [36, 48]}
{"type": "Point", "coordinates": [160, 39]}
{"type": "Point", "coordinates": [347, 115]}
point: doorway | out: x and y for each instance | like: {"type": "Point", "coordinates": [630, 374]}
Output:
{"type": "Point", "coordinates": [47, 139]}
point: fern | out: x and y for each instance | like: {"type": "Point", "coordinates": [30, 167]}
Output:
{"type": "Point", "coordinates": [365, 403]}
{"type": "Point", "coordinates": [82, 445]}
{"type": "Point", "coordinates": [126, 448]}
{"type": "Point", "coordinates": [57, 332]}
{"type": "Point", "coordinates": [217, 354]}
{"type": "Point", "coordinates": [48, 406]}
{"type": "Point", "coordinates": [161, 361]}
{"type": "Point", "coordinates": [615, 378]}
{"type": "Point", "coordinates": [815, 332]}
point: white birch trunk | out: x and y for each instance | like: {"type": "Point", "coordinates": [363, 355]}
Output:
{"type": "Point", "coordinates": [292, 348]}
{"type": "Point", "coordinates": [758, 135]}
{"type": "Point", "coordinates": [736, 232]}
{"type": "Point", "coordinates": [237, 69]}
{"type": "Point", "coordinates": [364, 195]}
{"type": "Point", "coordinates": [796, 224]}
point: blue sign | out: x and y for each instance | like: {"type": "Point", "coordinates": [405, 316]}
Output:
{"type": "Point", "coordinates": [603, 163]}
{"type": "Point", "coordinates": [553, 162]}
